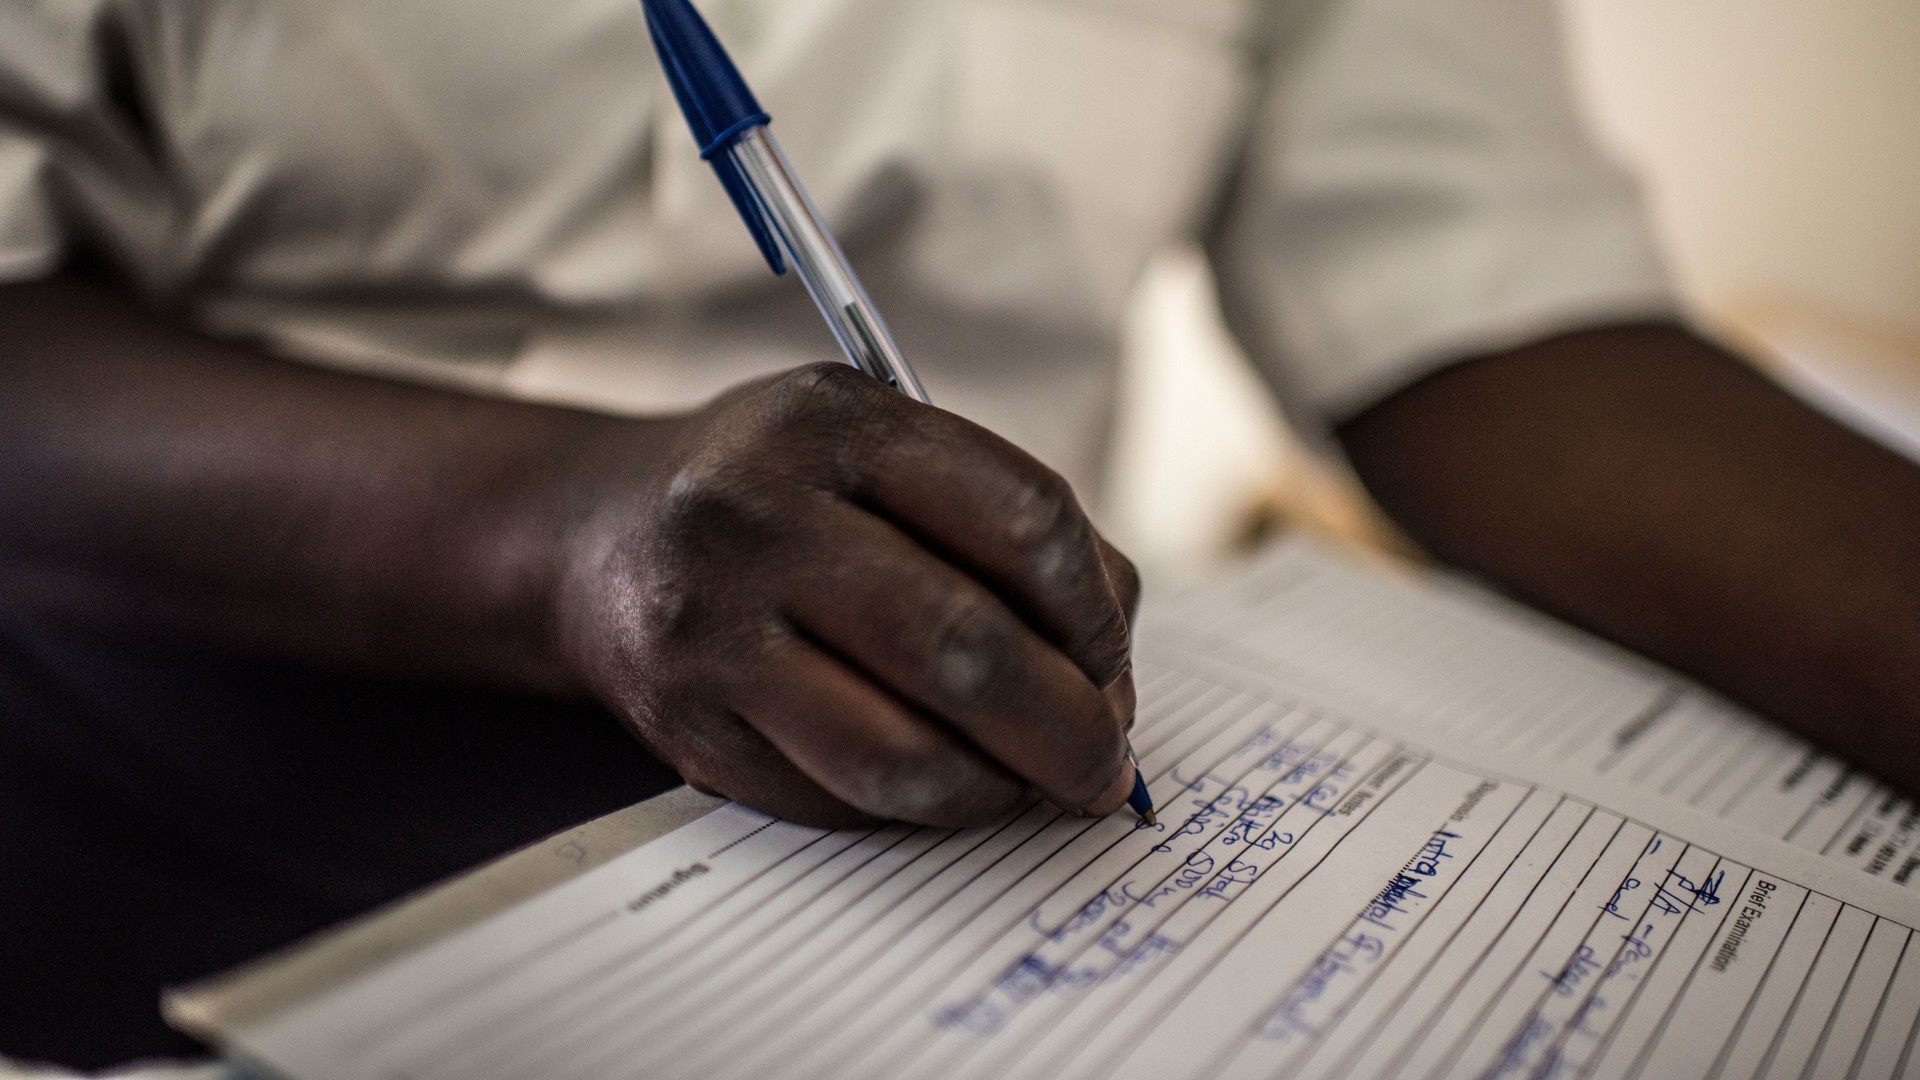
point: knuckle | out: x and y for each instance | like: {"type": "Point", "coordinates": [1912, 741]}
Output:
{"type": "Point", "coordinates": [1126, 581]}
{"type": "Point", "coordinates": [676, 609]}
{"type": "Point", "coordinates": [1108, 647]}
{"type": "Point", "coordinates": [833, 417]}
{"type": "Point", "coordinates": [708, 500]}
{"type": "Point", "coordinates": [1046, 528]}
{"type": "Point", "coordinates": [907, 781]}
{"type": "Point", "coordinates": [974, 651]}
{"type": "Point", "coordinates": [806, 394]}
{"type": "Point", "coordinates": [925, 783]}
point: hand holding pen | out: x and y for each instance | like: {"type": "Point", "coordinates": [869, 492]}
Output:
{"type": "Point", "coordinates": [841, 598]}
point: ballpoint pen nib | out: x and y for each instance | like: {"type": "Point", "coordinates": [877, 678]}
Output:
{"type": "Point", "coordinates": [1150, 818]}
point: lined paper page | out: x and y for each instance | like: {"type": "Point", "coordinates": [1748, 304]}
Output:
{"type": "Point", "coordinates": [1323, 897]}
{"type": "Point", "coordinates": [1458, 665]}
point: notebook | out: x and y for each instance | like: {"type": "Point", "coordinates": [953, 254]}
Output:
{"type": "Point", "coordinates": [1407, 829]}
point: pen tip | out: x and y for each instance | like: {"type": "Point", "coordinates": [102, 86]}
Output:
{"type": "Point", "coordinates": [1150, 818]}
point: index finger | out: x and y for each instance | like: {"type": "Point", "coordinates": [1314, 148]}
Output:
{"type": "Point", "coordinates": [995, 512]}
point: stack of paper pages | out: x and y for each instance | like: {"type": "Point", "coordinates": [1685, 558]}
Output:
{"type": "Point", "coordinates": [1407, 830]}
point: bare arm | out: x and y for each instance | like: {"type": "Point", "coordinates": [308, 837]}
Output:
{"type": "Point", "coordinates": [166, 485]}
{"type": "Point", "coordinates": [1642, 482]}
{"type": "Point", "coordinates": [812, 595]}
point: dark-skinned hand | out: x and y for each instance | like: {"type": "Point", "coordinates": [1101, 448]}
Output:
{"type": "Point", "coordinates": [833, 603]}
{"type": "Point", "coordinates": [814, 595]}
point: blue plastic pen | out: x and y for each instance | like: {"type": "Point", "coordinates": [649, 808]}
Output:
{"type": "Point", "coordinates": [731, 129]}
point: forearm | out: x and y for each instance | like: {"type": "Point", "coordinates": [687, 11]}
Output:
{"type": "Point", "coordinates": [1643, 483]}
{"type": "Point", "coordinates": [812, 594]}
{"type": "Point", "coordinates": [163, 484]}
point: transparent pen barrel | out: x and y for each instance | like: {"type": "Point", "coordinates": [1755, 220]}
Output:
{"type": "Point", "coordinates": [817, 258]}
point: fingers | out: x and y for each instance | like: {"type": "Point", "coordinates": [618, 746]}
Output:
{"type": "Point", "coordinates": [995, 512]}
{"type": "Point", "coordinates": [874, 608]}
{"type": "Point", "coordinates": [1125, 580]}
{"type": "Point", "coordinates": [866, 749]}
{"type": "Point", "coordinates": [1122, 576]}
{"type": "Point", "coordinates": [722, 754]}
{"type": "Point", "coordinates": [1116, 794]}
{"type": "Point", "coordinates": [937, 639]}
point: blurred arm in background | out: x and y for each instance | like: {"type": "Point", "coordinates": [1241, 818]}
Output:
{"type": "Point", "coordinates": [1642, 482]}
{"type": "Point", "coordinates": [1421, 187]}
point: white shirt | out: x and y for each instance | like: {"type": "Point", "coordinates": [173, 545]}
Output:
{"type": "Point", "coordinates": [502, 195]}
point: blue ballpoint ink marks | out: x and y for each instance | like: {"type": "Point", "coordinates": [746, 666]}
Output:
{"type": "Point", "coordinates": [1220, 808]}
{"type": "Point", "coordinates": [1153, 948]}
{"type": "Point", "coordinates": [1513, 1057]}
{"type": "Point", "coordinates": [1707, 892]}
{"type": "Point", "coordinates": [1031, 976]}
{"type": "Point", "coordinates": [1669, 902]}
{"type": "Point", "coordinates": [1327, 793]}
{"type": "Point", "coordinates": [1291, 1017]}
{"type": "Point", "coordinates": [1586, 1024]}
{"type": "Point", "coordinates": [1612, 907]}
{"type": "Point", "coordinates": [1514, 1054]}
{"type": "Point", "coordinates": [1237, 800]}
{"type": "Point", "coordinates": [1678, 894]}
{"type": "Point", "coordinates": [1588, 1019]}
{"type": "Point", "coordinates": [1387, 920]}
{"type": "Point", "coordinates": [1567, 981]}
{"type": "Point", "coordinates": [1302, 770]}
{"type": "Point", "coordinates": [1404, 887]}
{"type": "Point", "coordinates": [1198, 784]}
{"type": "Point", "coordinates": [1091, 912]}
{"type": "Point", "coordinates": [1192, 874]}
{"type": "Point", "coordinates": [1393, 900]}
{"type": "Point", "coordinates": [1234, 800]}
{"type": "Point", "coordinates": [1259, 740]}
{"type": "Point", "coordinates": [1635, 948]}
{"type": "Point", "coordinates": [1427, 863]}
{"type": "Point", "coordinates": [1232, 814]}
{"type": "Point", "coordinates": [1590, 1008]}
{"type": "Point", "coordinates": [1026, 979]}
{"type": "Point", "coordinates": [1250, 826]}
{"type": "Point", "coordinates": [1237, 875]}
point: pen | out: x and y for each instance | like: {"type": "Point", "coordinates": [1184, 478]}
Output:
{"type": "Point", "coordinates": [732, 131]}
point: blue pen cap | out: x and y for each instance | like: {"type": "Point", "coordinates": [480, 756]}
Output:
{"type": "Point", "coordinates": [718, 105]}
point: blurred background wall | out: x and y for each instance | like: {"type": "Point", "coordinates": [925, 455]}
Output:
{"type": "Point", "coordinates": [1780, 144]}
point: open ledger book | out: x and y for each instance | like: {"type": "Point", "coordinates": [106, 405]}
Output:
{"type": "Point", "coordinates": [1407, 829]}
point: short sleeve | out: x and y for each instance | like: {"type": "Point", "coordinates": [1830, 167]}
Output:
{"type": "Point", "coordinates": [74, 167]}
{"type": "Point", "coordinates": [1420, 186]}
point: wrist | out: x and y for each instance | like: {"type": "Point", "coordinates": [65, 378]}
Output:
{"type": "Point", "coordinates": [597, 494]}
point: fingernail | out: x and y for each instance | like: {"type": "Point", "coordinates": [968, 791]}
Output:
{"type": "Point", "coordinates": [1114, 797]}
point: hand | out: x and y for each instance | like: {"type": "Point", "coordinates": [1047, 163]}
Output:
{"type": "Point", "coordinates": [835, 604]}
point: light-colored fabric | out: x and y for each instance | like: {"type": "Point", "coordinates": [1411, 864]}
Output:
{"type": "Point", "coordinates": [1420, 187]}
{"type": "Point", "coordinates": [501, 195]}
